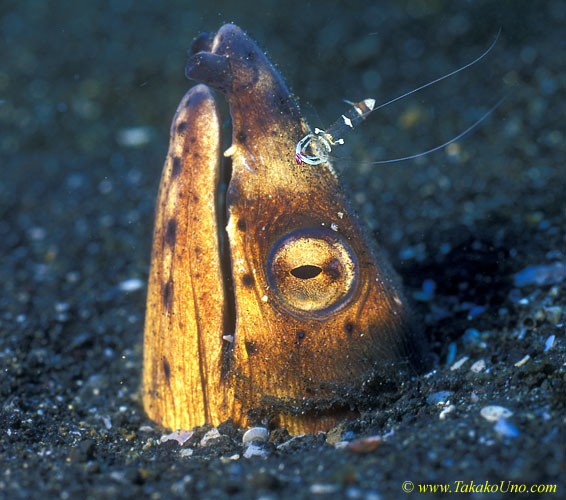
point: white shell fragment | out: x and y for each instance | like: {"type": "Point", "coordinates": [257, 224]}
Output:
{"type": "Point", "coordinates": [107, 422]}
{"type": "Point", "coordinates": [478, 366]}
{"type": "Point", "coordinates": [459, 363]}
{"type": "Point", "coordinates": [287, 443]}
{"type": "Point", "coordinates": [180, 436]}
{"type": "Point", "coordinates": [522, 361]}
{"type": "Point", "coordinates": [446, 411]}
{"type": "Point", "coordinates": [131, 285]}
{"type": "Point", "coordinates": [549, 343]}
{"type": "Point", "coordinates": [255, 434]}
{"type": "Point", "coordinates": [254, 450]}
{"type": "Point", "coordinates": [211, 436]}
{"type": "Point", "coordinates": [493, 413]}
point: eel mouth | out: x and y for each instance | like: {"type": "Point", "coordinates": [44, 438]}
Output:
{"type": "Point", "coordinates": [202, 66]}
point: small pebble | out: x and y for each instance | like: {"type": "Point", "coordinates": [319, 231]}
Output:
{"type": "Point", "coordinates": [505, 428]}
{"type": "Point", "coordinates": [451, 354]}
{"type": "Point", "coordinates": [37, 233]}
{"type": "Point", "coordinates": [373, 495]}
{"type": "Point", "coordinates": [478, 366]}
{"type": "Point", "coordinates": [323, 489]}
{"type": "Point", "coordinates": [130, 285]}
{"type": "Point", "coordinates": [186, 452]}
{"type": "Point", "coordinates": [340, 445]}
{"type": "Point", "coordinates": [119, 477]}
{"type": "Point", "coordinates": [476, 311]}
{"type": "Point", "coordinates": [541, 275]}
{"type": "Point", "coordinates": [472, 337]}
{"type": "Point", "coordinates": [107, 423]}
{"type": "Point", "coordinates": [61, 307]}
{"type": "Point", "coordinates": [549, 343]}
{"type": "Point", "coordinates": [459, 363]}
{"type": "Point", "coordinates": [209, 438]}
{"type": "Point", "coordinates": [255, 434]}
{"type": "Point", "coordinates": [365, 445]}
{"type": "Point", "coordinates": [426, 294]}
{"type": "Point", "coordinates": [134, 136]}
{"type": "Point", "coordinates": [493, 413]}
{"type": "Point", "coordinates": [353, 493]}
{"type": "Point", "coordinates": [348, 435]}
{"type": "Point", "coordinates": [553, 313]}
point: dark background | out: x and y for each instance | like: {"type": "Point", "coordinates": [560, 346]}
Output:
{"type": "Point", "coordinates": [76, 217]}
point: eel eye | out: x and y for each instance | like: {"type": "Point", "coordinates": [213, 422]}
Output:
{"type": "Point", "coordinates": [312, 271]}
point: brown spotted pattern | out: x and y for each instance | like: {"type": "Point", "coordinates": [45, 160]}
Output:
{"type": "Point", "coordinates": [306, 311]}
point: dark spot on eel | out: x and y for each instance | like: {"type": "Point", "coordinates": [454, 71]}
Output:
{"type": "Point", "coordinates": [250, 347]}
{"type": "Point", "coordinates": [247, 279]}
{"type": "Point", "coordinates": [167, 293]}
{"type": "Point", "coordinates": [241, 225]}
{"type": "Point", "coordinates": [349, 327]}
{"type": "Point", "coordinates": [166, 368]}
{"type": "Point", "coordinates": [171, 232]}
{"type": "Point", "coordinates": [176, 170]}
{"type": "Point", "coordinates": [182, 127]}
{"type": "Point", "coordinates": [301, 335]}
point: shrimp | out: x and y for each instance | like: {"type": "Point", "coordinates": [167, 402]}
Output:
{"type": "Point", "coordinates": [322, 141]}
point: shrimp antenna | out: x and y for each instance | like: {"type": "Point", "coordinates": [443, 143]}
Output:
{"type": "Point", "coordinates": [452, 73]}
{"type": "Point", "coordinates": [451, 141]}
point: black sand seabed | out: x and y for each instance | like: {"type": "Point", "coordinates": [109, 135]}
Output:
{"type": "Point", "coordinates": [76, 217]}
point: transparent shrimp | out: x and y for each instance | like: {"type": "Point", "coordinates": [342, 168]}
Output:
{"type": "Point", "coordinates": [321, 142]}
